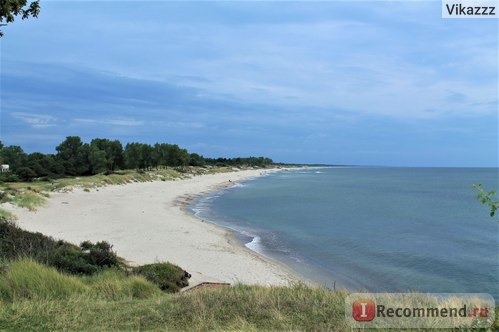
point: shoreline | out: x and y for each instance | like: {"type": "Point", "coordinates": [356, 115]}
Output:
{"type": "Point", "coordinates": [148, 222]}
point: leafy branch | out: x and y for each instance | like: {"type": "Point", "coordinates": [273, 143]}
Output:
{"type": "Point", "coordinates": [9, 9]}
{"type": "Point", "coordinates": [487, 198]}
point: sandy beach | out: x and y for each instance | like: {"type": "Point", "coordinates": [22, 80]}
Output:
{"type": "Point", "coordinates": [147, 222]}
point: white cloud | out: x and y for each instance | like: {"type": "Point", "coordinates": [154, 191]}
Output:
{"type": "Point", "coordinates": [35, 120]}
{"type": "Point", "coordinates": [127, 122]}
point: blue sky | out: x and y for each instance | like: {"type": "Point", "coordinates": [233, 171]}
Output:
{"type": "Point", "coordinates": [368, 83]}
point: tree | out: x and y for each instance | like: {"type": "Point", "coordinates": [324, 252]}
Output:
{"type": "Point", "coordinates": [44, 165]}
{"type": "Point", "coordinates": [113, 152]}
{"type": "Point", "coordinates": [1, 153]}
{"type": "Point", "coordinates": [177, 156]}
{"type": "Point", "coordinates": [13, 156]}
{"type": "Point", "coordinates": [486, 198]}
{"type": "Point", "coordinates": [97, 159]}
{"type": "Point", "coordinates": [74, 156]}
{"type": "Point", "coordinates": [9, 9]}
{"type": "Point", "coordinates": [196, 160]}
{"type": "Point", "coordinates": [138, 155]}
{"type": "Point", "coordinates": [26, 174]}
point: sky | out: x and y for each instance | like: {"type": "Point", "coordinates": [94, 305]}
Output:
{"type": "Point", "coordinates": [386, 83]}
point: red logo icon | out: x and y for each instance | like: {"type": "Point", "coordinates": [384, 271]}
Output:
{"type": "Point", "coordinates": [363, 310]}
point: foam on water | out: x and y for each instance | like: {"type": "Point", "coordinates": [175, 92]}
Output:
{"type": "Point", "coordinates": [255, 244]}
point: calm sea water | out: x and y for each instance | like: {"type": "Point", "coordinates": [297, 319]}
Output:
{"type": "Point", "coordinates": [376, 229]}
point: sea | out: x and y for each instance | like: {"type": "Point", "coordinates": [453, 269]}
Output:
{"type": "Point", "coordinates": [376, 229]}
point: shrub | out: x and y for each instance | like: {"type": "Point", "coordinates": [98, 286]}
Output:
{"type": "Point", "coordinates": [69, 258]}
{"type": "Point", "coordinates": [86, 259]}
{"type": "Point", "coordinates": [26, 174]}
{"type": "Point", "coordinates": [169, 277]}
{"type": "Point", "coordinates": [15, 243]}
{"type": "Point", "coordinates": [8, 177]}
{"type": "Point", "coordinates": [66, 257]}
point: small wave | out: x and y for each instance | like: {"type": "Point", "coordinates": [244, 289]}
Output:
{"type": "Point", "coordinates": [255, 244]}
{"type": "Point", "coordinates": [239, 185]}
{"type": "Point", "coordinates": [318, 172]}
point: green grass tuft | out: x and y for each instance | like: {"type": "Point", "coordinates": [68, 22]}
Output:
{"type": "Point", "coordinates": [6, 215]}
{"type": "Point", "coordinates": [28, 199]}
{"type": "Point", "coordinates": [27, 279]}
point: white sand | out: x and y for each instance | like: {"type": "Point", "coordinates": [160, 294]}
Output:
{"type": "Point", "coordinates": [145, 223]}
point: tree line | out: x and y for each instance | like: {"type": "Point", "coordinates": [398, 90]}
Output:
{"type": "Point", "coordinates": [101, 155]}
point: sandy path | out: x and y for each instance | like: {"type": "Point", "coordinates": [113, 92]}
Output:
{"type": "Point", "coordinates": [145, 223]}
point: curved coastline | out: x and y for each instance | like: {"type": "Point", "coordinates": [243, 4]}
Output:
{"type": "Point", "coordinates": [148, 222]}
{"type": "Point", "coordinates": [248, 239]}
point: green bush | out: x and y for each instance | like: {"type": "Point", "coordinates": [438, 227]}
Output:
{"type": "Point", "coordinates": [15, 243]}
{"type": "Point", "coordinates": [70, 259]}
{"type": "Point", "coordinates": [86, 259]}
{"type": "Point", "coordinates": [169, 277]}
{"type": "Point", "coordinates": [89, 258]}
{"type": "Point", "coordinates": [9, 177]}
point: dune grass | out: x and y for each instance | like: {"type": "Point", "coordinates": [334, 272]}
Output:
{"type": "Point", "coordinates": [33, 296]}
{"type": "Point", "coordinates": [33, 194]}
{"type": "Point", "coordinates": [6, 215]}
{"type": "Point", "coordinates": [28, 199]}
{"type": "Point", "coordinates": [26, 279]}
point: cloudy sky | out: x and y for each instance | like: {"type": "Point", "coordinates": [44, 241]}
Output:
{"type": "Point", "coordinates": [368, 83]}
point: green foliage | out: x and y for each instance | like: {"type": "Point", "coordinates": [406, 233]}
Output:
{"type": "Point", "coordinates": [9, 177]}
{"type": "Point", "coordinates": [9, 9]}
{"type": "Point", "coordinates": [14, 156]}
{"type": "Point", "coordinates": [16, 243]}
{"type": "Point", "coordinates": [167, 276]}
{"type": "Point", "coordinates": [250, 161]}
{"type": "Point", "coordinates": [113, 153]}
{"type": "Point", "coordinates": [76, 158]}
{"type": "Point", "coordinates": [45, 165]}
{"type": "Point", "coordinates": [25, 173]}
{"type": "Point", "coordinates": [169, 155]}
{"type": "Point", "coordinates": [89, 258]}
{"type": "Point", "coordinates": [138, 156]}
{"type": "Point", "coordinates": [487, 198]}
{"type": "Point", "coordinates": [97, 159]}
{"type": "Point", "coordinates": [196, 160]}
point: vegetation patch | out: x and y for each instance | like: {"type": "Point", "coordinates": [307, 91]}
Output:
{"type": "Point", "coordinates": [88, 258]}
{"type": "Point", "coordinates": [28, 199]}
{"type": "Point", "coordinates": [26, 279]}
{"type": "Point", "coordinates": [169, 277]}
{"type": "Point", "coordinates": [6, 215]}
{"type": "Point", "coordinates": [247, 308]}
{"type": "Point", "coordinates": [104, 156]}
